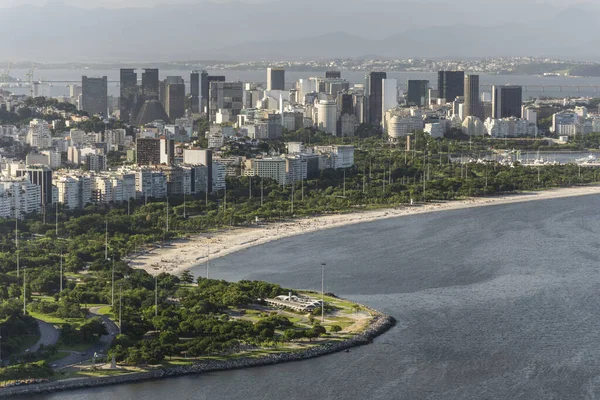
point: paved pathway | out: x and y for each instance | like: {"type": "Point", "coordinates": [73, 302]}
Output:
{"type": "Point", "coordinates": [101, 347]}
{"type": "Point", "coordinates": [48, 336]}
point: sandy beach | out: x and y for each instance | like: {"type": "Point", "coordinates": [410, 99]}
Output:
{"type": "Point", "coordinates": [183, 254]}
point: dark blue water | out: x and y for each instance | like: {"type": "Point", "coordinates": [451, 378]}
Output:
{"type": "Point", "coordinates": [498, 302]}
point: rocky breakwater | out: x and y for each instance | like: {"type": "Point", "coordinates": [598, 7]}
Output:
{"type": "Point", "coordinates": [378, 325]}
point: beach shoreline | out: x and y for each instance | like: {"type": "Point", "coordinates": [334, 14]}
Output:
{"type": "Point", "coordinates": [184, 254]}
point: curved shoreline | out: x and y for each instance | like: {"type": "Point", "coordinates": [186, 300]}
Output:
{"type": "Point", "coordinates": [183, 254]}
{"type": "Point", "coordinates": [380, 324]}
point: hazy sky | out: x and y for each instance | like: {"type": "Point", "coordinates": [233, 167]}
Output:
{"type": "Point", "coordinates": [106, 3]}
{"type": "Point", "coordinates": [149, 3]}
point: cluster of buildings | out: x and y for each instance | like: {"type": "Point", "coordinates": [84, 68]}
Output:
{"type": "Point", "coordinates": [575, 121]}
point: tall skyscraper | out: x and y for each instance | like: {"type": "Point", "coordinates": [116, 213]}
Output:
{"type": "Point", "coordinates": [275, 79]}
{"type": "Point", "coordinates": [451, 84]}
{"type": "Point", "coordinates": [333, 74]}
{"type": "Point", "coordinates": [472, 102]}
{"type": "Point", "coordinates": [345, 104]}
{"type": "Point", "coordinates": [390, 97]}
{"type": "Point", "coordinates": [506, 101]}
{"type": "Point", "coordinates": [174, 97]}
{"type": "Point", "coordinates": [128, 95]}
{"type": "Point", "coordinates": [226, 96]}
{"type": "Point", "coordinates": [150, 84]}
{"type": "Point", "coordinates": [94, 95]}
{"type": "Point", "coordinates": [374, 91]}
{"type": "Point", "coordinates": [205, 89]}
{"type": "Point", "coordinates": [418, 92]}
{"type": "Point", "coordinates": [195, 92]}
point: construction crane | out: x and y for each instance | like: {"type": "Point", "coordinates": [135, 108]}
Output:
{"type": "Point", "coordinates": [29, 77]}
{"type": "Point", "coordinates": [5, 78]}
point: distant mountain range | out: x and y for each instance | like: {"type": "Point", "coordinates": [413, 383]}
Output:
{"type": "Point", "coordinates": [288, 30]}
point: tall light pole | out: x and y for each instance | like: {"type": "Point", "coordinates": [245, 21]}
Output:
{"type": "Point", "coordinates": [17, 242]}
{"type": "Point", "coordinates": [56, 218]}
{"type": "Point", "coordinates": [112, 290]}
{"type": "Point", "coordinates": [156, 294]}
{"type": "Point", "coordinates": [120, 308]}
{"type": "Point", "coordinates": [167, 214]}
{"type": "Point", "coordinates": [24, 292]}
{"type": "Point", "coordinates": [323, 292]}
{"type": "Point", "coordinates": [106, 240]}
{"type": "Point", "coordinates": [250, 189]}
{"type": "Point", "coordinates": [262, 194]}
{"type": "Point", "coordinates": [184, 203]}
{"type": "Point", "coordinates": [61, 272]}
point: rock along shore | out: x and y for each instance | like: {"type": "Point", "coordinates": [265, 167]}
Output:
{"type": "Point", "coordinates": [378, 325]}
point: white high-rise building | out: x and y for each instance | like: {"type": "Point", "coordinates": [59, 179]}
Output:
{"type": "Point", "coordinates": [68, 192]}
{"type": "Point", "coordinates": [327, 116]}
{"type": "Point", "coordinates": [389, 97]}
{"type": "Point", "coordinates": [38, 134]}
{"type": "Point", "coordinates": [341, 156]}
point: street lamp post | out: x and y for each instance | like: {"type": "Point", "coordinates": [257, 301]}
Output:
{"type": "Point", "coordinates": [167, 214]}
{"type": "Point", "coordinates": [24, 292]}
{"type": "Point", "coordinates": [120, 308]}
{"type": "Point", "coordinates": [112, 289]}
{"type": "Point", "coordinates": [106, 240]}
{"type": "Point", "coordinates": [156, 295]}
{"type": "Point", "coordinates": [323, 292]}
{"type": "Point", "coordinates": [61, 272]}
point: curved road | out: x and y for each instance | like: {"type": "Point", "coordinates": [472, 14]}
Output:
{"type": "Point", "coordinates": [101, 347]}
{"type": "Point", "coordinates": [48, 336]}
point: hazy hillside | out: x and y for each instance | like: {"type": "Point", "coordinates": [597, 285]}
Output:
{"type": "Point", "coordinates": [281, 29]}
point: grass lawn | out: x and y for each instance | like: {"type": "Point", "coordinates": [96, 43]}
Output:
{"type": "Point", "coordinates": [177, 362]}
{"type": "Point", "coordinates": [106, 311]}
{"type": "Point", "coordinates": [56, 320]}
{"type": "Point", "coordinates": [49, 299]}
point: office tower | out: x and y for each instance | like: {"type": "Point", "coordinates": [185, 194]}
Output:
{"type": "Point", "coordinates": [327, 116]}
{"type": "Point", "coordinates": [42, 177]}
{"type": "Point", "coordinates": [506, 101]}
{"type": "Point", "coordinates": [374, 92]}
{"type": "Point", "coordinates": [128, 94]}
{"type": "Point", "coordinates": [195, 92]}
{"type": "Point", "coordinates": [206, 89]}
{"type": "Point", "coordinates": [173, 96]}
{"type": "Point", "coordinates": [227, 97]}
{"type": "Point", "coordinates": [345, 104]}
{"type": "Point", "coordinates": [94, 95]}
{"type": "Point", "coordinates": [167, 151]}
{"type": "Point", "coordinates": [389, 98]}
{"type": "Point", "coordinates": [150, 84]}
{"type": "Point", "coordinates": [147, 151]}
{"type": "Point", "coordinates": [275, 79]}
{"type": "Point", "coordinates": [451, 84]}
{"type": "Point", "coordinates": [472, 96]}
{"type": "Point", "coordinates": [333, 74]}
{"type": "Point", "coordinates": [204, 92]}
{"type": "Point", "coordinates": [418, 91]}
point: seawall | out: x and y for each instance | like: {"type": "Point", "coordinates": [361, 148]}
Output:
{"type": "Point", "coordinates": [379, 325]}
